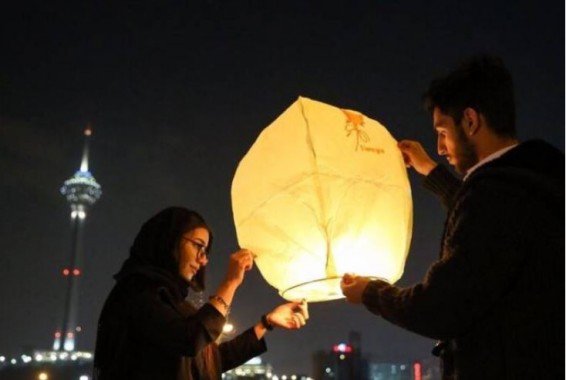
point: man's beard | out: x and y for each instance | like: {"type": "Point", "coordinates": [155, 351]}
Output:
{"type": "Point", "coordinates": [466, 156]}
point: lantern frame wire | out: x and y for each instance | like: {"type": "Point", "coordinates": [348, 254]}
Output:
{"type": "Point", "coordinates": [325, 297]}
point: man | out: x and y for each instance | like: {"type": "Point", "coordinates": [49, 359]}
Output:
{"type": "Point", "coordinates": [495, 297]}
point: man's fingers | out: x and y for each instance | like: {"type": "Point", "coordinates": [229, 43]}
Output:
{"type": "Point", "coordinates": [347, 279]}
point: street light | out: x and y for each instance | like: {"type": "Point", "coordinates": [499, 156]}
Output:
{"type": "Point", "coordinates": [228, 328]}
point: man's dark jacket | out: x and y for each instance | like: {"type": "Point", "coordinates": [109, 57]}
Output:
{"type": "Point", "coordinates": [496, 294]}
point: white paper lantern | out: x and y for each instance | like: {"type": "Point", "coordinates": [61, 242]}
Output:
{"type": "Point", "coordinates": [322, 192]}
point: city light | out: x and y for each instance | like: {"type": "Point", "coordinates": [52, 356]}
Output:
{"type": "Point", "coordinates": [417, 371]}
{"type": "Point", "coordinates": [26, 358]}
{"type": "Point", "coordinates": [342, 348]}
{"type": "Point", "coordinates": [228, 328]}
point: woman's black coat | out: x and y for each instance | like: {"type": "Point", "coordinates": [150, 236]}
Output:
{"type": "Point", "coordinates": [148, 331]}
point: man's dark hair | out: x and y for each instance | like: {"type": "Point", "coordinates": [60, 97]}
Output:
{"type": "Point", "coordinates": [481, 82]}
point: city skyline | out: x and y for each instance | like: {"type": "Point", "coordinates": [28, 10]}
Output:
{"type": "Point", "coordinates": [176, 94]}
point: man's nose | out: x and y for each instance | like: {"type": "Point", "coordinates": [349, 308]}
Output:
{"type": "Point", "coordinates": [440, 147]}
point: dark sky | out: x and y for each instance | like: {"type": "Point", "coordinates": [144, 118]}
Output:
{"type": "Point", "coordinates": [178, 91]}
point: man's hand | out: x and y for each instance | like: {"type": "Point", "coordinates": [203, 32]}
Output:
{"type": "Point", "coordinates": [415, 156]}
{"type": "Point", "coordinates": [353, 287]}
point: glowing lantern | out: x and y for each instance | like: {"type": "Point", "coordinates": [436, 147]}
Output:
{"type": "Point", "coordinates": [323, 191]}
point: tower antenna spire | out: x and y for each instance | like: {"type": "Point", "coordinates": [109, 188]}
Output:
{"type": "Point", "coordinates": [84, 161]}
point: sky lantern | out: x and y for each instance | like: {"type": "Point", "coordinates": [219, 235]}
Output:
{"type": "Point", "coordinates": [323, 191]}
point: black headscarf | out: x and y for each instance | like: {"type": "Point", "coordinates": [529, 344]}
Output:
{"type": "Point", "coordinates": [155, 251]}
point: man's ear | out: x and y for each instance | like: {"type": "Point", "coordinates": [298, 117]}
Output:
{"type": "Point", "coordinates": [471, 121]}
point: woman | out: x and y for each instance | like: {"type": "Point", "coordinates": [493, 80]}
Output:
{"type": "Point", "coordinates": [147, 329]}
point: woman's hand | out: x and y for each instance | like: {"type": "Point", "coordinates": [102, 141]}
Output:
{"type": "Point", "coordinates": [240, 262]}
{"type": "Point", "coordinates": [292, 315]}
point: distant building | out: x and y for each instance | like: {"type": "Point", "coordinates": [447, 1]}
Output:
{"type": "Point", "coordinates": [345, 361]}
{"type": "Point", "coordinates": [252, 369]}
{"type": "Point", "coordinates": [419, 370]}
{"type": "Point", "coordinates": [257, 370]}
{"type": "Point", "coordinates": [342, 362]}
{"type": "Point", "coordinates": [391, 371]}
{"type": "Point", "coordinates": [48, 365]}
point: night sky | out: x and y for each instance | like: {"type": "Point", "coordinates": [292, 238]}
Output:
{"type": "Point", "coordinates": [177, 92]}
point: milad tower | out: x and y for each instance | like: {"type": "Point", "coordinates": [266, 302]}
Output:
{"type": "Point", "coordinates": [81, 191]}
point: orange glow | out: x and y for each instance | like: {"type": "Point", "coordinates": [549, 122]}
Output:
{"type": "Point", "coordinates": [66, 272]}
{"type": "Point", "coordinates": [354, 118]}
{"type": "Point", "coordinates": [76, 272]}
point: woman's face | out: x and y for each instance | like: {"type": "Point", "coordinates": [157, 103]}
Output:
{"type": "Point", "coordinates": [193, 252]}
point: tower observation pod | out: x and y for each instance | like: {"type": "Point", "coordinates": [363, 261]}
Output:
{"type": "Point", "coordinates": [81, 191]}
